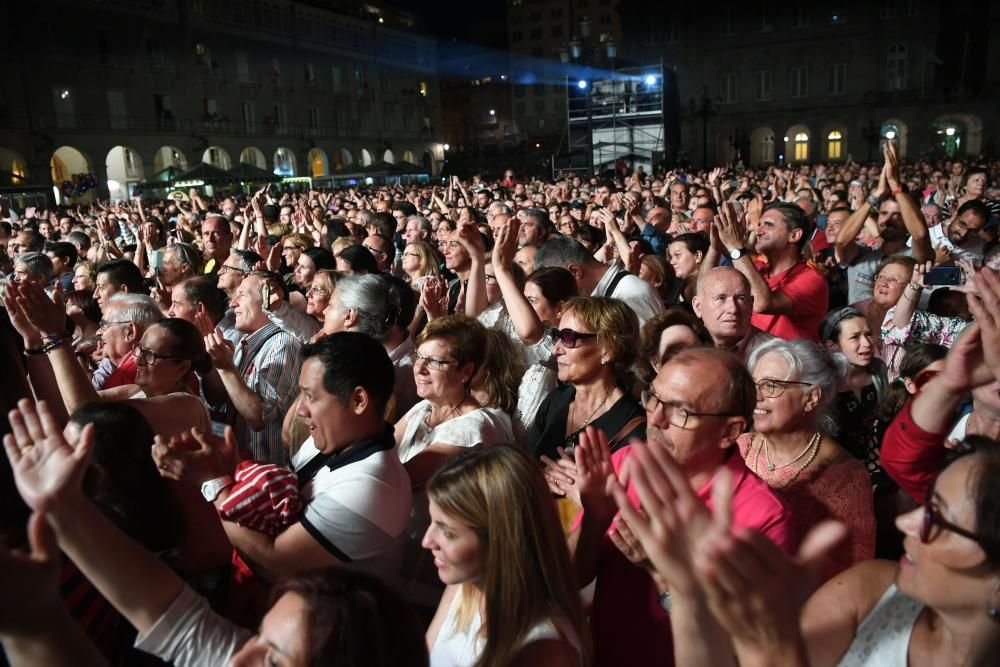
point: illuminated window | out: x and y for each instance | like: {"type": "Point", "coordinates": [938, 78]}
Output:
{"type": "Point", "coordinates": [834, 145]}
{"type": "Point", "coordinates": [801, 147]}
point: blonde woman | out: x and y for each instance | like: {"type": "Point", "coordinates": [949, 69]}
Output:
{"type": "Point", "coordinates": [510, 597]}
{"type": "Point", "coordinates": [319, 292]}
{"type": "Point", "coordinates": [419, 262]}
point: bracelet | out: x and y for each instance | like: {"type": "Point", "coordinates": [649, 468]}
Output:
{"type": "Point", "coordinates": [48, 347]}
{"type": "Point", "coordinates": [874, 201]}
{"type": "Point", "coordinates": [896, 191]}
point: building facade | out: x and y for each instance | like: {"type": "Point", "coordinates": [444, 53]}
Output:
{"type": "Point", "coordinates": [770, 82]}
{"type": "Point", "coordinates": [121, 89]}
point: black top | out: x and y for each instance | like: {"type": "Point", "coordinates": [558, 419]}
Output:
{"type": "Point", "coordinates": [549, 430]}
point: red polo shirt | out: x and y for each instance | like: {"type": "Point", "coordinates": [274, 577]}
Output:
{"type": "Point", "coordinates": [627, 623]}
{"type": "Point", "coordinates": [806, 288]}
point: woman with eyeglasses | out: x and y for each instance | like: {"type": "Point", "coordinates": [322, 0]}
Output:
{"type": "Point", "coordinates": [448, 418]}
{"type": "Point", "coordinates": [595, 346]}
{"type": "Point", "coordinates": [419, 262]}
{"type": "Point", "coordinates": [937, 605]}
{"type": "Point", "coordinates": [165, 393]}
{"type": "Point", "coordinates": [792, 450]}
{"type": "Point", "coordinates": [318, 295]}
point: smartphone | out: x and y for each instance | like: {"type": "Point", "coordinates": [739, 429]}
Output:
{"type": "Point", "coordinates": [156, 260]}
{"type": "Point", "coordinates": [943, 275]}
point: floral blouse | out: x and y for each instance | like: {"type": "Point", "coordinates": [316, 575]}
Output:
{"type": "Point", "coordinates": [923, 327]}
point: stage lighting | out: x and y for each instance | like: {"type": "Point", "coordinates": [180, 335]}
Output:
{"type": "Point", "coordinates": [581, 84]}
{"type": "Point", "coordinates": [650, 80]}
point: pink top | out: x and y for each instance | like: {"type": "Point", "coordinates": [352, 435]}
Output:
{"type": "Point", "coordinates": [627, 623]}
{"type": "Point", "coordinates": [842, 491]}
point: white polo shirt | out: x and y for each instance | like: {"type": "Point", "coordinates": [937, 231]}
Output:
{"type": "Point", "coordinates": [357, 504]}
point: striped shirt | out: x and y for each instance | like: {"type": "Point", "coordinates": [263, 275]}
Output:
{"type": "Point", "coordinates": [268, 361]}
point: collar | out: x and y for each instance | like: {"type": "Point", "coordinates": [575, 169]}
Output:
{"type": "Point", "coordinates": [360, 451]}
{"type": "Point", "coordinates": [260, 335]}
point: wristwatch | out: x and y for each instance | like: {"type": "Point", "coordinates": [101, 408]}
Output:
{"type": "Point", "coordinates": [211, 489]}
{"type": "Point", "coordinates": [737, 253]}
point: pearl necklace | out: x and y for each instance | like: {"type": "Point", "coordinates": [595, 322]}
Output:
{"type": "Point", "coordinates": [812, 449]}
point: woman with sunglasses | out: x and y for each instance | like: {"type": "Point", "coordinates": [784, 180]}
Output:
{"type": "Point", "coordinates": [791, 448]}
{"type": "Point", "coordinates": [938, 605]}
{"type": "Point", "coordinates": [595, 346]}
{"type": "Point", "coordinates": [448, 419]}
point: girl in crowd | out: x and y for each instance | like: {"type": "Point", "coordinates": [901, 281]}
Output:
{"type": "Point", "coordinates": [320, 618]}
{"type": "Point", "coordinates": [686, 253]}
{"type": "Point", "coordinates": [856, 405]}
{"type": "Point", "coordinates": [310, 261]}
{"type": "Point", "coordinates": [510, 596]}
{"type": "Point", "coordinates": [791, 450]}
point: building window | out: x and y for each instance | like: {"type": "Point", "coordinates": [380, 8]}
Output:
{"type": "Point", "coordinates": [556, 31]}
{"type": "Point", "coordinates": [519, 108]}
{"type": "Point", "coordinates": [313, 118]}
{"type": "Point", "coordinates": [540, 124]}
{"type": "Point", "coordinates": [535, 33]}
{"type": "Point", "coordinates": [766, 16]}
{"type": "Point", "coordinates": [280, 116]}
{"type": "Point", "coordinates": [800, 82]}
{"type": "Point", "coordinates": [763, 85]}
{"type": "Point", "coordinates": [539, 89]}
{"type": "Point", "coordinates": [801, 151]}
{"type": "Point", "coordinates": [242, 67]}
{"type": "Point", "coordinates": [729, 22]}
{"type": "Point", "coordinates": [834, 145]}
{"type": "Point", "coordinates": [539, 106]}
{"type": "Point", "coordinates": [518, 90]}
{"type": "Point", "coordinates": [670, 32]}
{"type": "Point", "coordinates": [423, 89]}
{"type": "Point", "coordinates": [838, 79]}
{"type": "Point", "coordinates": [767, 149]}
{"type": "Point", "coordinates": [896, 67]}
{"type": "Point", "coordinates": [729, 88]}
{"type": "Point", "coordinates": [888, 9]}
{"type": "Point", "coordinates": [310, 73]}
{"type": "Point", "coordinates": [337, 76]}
{"type": "Point", "coordinates": [912, 7]}
{"type": "Point", "coordinates": [516, 36]}
{"type": "Point", "coordinates": [800, 15]}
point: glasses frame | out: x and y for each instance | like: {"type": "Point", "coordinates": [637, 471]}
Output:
{"type": "Point", "coordinates": [104, 324]}
{"type": "Point", "coordinates": [932, 518]}
{"type": "Point", "coordinates": [143, 353]}
{"type": "Point", "coordinates": [569, 338]}
{"type": "Point", "coordinates": [225, 268]}
{"type": "Point", "coordinates": [672, 410]}
{"type": "Point", "coordinates": [432, 363]}
{"type": "Point", "coordinates": [784, 384]}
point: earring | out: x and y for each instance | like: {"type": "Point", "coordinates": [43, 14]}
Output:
{"type": "Point", "coordinates": [809, 408]}
{"type": "Point", "coordinates": [994, 614]}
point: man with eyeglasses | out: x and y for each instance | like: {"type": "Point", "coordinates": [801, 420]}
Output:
{"type": "Point", "coordinates": [231, 274]}
{"type": "Point", "coordinates": [124, 319]}
{"type": "Point", "coordinates": [701, 400]}
{"type": "Point", "coordinates": [382, 250]}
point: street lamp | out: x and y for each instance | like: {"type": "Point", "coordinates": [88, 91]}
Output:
{"type": "Point", "coordinates": [704, 109]}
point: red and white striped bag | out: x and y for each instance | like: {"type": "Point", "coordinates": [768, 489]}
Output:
{"type": "Point", "coordinates": [265, 497]}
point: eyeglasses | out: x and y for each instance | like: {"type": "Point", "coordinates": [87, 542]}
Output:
{"type": "Point", "coordinates": [677, 415]}
{"type": "Point", "coordinates": [322, 291]}
{"type": "Point", "coordinates": [432, 363]}
{"type": "Point", "coordinates": [225, 268]}
{"type": "Point", "coordinates": [374, 251]}
{"type": "Point", "coordinates": [770, 388]}
{"type": "Point", "coordinates": [490, 278]}
{"type": "Point", "coordinates": [568, 337]}
{"type": "Point", "coordinates": [104, 324]}
{"type": "Point", "coordinates": [148, 356]}
{"type": "Point", "coordinates": [411, 254]}
{"type": "Point", "coordinates": [932, 518]}
{"type": "Point", "coordinates": [890, 280]}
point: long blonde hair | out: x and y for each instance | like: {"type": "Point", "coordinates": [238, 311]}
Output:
{"type": "Point", "coordinates": [428, 259]}
{"type": "Point", "coordinates": [499, 492]}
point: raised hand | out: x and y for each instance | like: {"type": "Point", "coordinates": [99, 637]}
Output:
{"type": "Point", "coordinates": [595, 473]}
{"type": "Point", "coordinates": [755, 591]}
{"type": "Point", "coordinates": [713, 176]}
{"type": "Point", "coordinates": [220, 350]}
{"type": "Point", "coordinates": [505, 243]}
{"type": "Point", "coordinates": [965, 365]}
{"type": "Point", "coordinates": [673, 520]}
{"type": "Point", "coordinates": [985, 307]}
{"type": "Point", "coordinates": [45, 314]}
{"type": "Point", "coordinates": [196, 457]}
{"type": "Point", "coordinates": [48, 470]}
{"type": "Point", "coordinates": [732, 229]}
{"type": "Point", "coordinates": [29, 332]}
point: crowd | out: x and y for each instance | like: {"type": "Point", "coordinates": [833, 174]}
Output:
{"type": "Point", "coordinates": [740, 416]}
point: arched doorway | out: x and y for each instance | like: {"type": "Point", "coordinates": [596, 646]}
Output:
{"type": "Point", "coordinates": [15, 165]}
{"type": "Point", "coordinates": [366, 157]}
{"type": "Point", "coordinates": [319, 165]}
{"type": "Point", "coordinates": [169, 156]}
{"type": "Point", "coordinates": [284, 162]}
{"type": "Point", "coordinates": [124, 167]}
{"type": "Point", "coordinates": [762, 146]}
{"type": "Point", "coordinates": [217, 157]}
{"type": "Point", "coordinates": [254, 156]}
{"type": "Point", "coordinates": [957, 135]}
{"type": "Point", "coordinates": [408, 157]}
{"type": "Point", "coordinates": [72, 176]}
{"type": "Point", "coordinates": [344, 158]}
{"type": "Point", "coordinates": [895, 130]}
{"type": "Point", "coordinates": [797, 143]}
{"type": "Point", "coordinates": [389, 157]}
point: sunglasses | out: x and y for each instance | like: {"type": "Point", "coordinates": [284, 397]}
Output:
{"type": "Point", "coordinates": [568, 337]}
